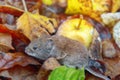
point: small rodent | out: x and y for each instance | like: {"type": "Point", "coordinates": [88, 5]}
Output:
{"type": "Point", "coordinates": [69, 52]}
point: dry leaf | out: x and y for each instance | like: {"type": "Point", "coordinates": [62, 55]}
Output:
{"type": "Point", "coordinates": [5, 42]}
{"type": "Point", "coordinates": [9, 60]}
{"type": "Point", "coordinates": [92, 8]}
{"type": "Point", "coordinates": [112, 66]}
{"type": "Point", "coordinates": [11, 10]}
{"type": "Point", "coordinates": [110, 19]}
{"type": "Point", "coordinates": [51, 64]}
{"type": "Point", "coordinates": [24, 73]}
{"type": "Point", "coordinates": [5, 73]}
{"type": "Point", "coordinates": [48, 65]}
{"type": "Point", "coordinates": [21, 73]}
{"type": "Point", "coordinates": [19, 40]}
{"type": "Point", "coordinates": [34, 25]}
{"type": "Point", "coordinates": [116, 33]}
{"type": "Point", "coordinates": [115, 5]}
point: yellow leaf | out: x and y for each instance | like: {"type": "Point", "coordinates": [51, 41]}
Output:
{"type": "Point", "coordinates": [47, 2]}
{"type": "Point", "coordinates": [115, 5]}
{"type": "Point", "coordinates": [91, 8]}
{"type": "Point", "coordinates": [34, 25]}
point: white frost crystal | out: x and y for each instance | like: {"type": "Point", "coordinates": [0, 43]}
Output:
{"type": "Point", "coordinates": [116, 33]}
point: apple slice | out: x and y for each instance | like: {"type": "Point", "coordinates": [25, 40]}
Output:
{"type": "Point", "coordinates": [77, 29]}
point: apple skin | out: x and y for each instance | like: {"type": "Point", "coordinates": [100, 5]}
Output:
{"type": "Point", "coordinates": [77, 29]}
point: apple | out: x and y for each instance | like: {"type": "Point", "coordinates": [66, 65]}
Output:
{"type": "Point", "coordinates": [77, 29]}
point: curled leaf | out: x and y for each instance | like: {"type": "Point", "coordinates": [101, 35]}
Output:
{"type": "Point", "coordinates": [9, 60]}
{"type": "Point", "coordinates": [34, 25]}
{"type": "Point", "coordinates": [5, 42]}
{"type": "Point", "coordinates": [116, 33]}
{"type": "Point", "coordinates": [110, 19]}
{"type": "Point", "coordinates": [20, 73]}
{"type": "Point", "coordinates": [11, 10]}
{"type": "Point", "coordinates": [48, 65]}
{"type": "Point", "coordinates": [19, 40]}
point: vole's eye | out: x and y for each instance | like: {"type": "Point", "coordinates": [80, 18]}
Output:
{"type": "Point", "coordinates": [34, 47]}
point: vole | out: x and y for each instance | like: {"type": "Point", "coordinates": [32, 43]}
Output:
{"type": "Point", "coordinates": [68, 52]}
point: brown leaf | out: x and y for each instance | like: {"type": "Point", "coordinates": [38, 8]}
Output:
{"type": "Point", "coordinates": [11, 10]}
{"type": "Point", "coordinates": [113, 66]}
{"type": "Point", "coordinates": [51, 64]}
{"type": "Point", "coordinates": [21, 73]}
{"type": "Point", "coordinates": [5, 42]}
{"type": "Point", "coordinates": [89, 76]}
{"type": "Point", "coordinates": [20, 41]}
{"type": "Point", "coordinates": [34, 25]}
{"type": "Point", "coordinates": [48, 65]}
{"type": "Point", "coordinates": [9, 60]}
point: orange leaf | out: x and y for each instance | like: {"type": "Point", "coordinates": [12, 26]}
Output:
{"type": "Point", "coordinates": [19, 39]}
{"type": "Point", "coordinates": [5, 42]}
{"type": "Point", "coordinates": [11, 10]}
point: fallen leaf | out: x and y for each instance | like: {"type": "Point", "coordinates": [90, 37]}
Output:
{"type": "Point", "coordinates": [115, 5]}
{"type": "Point", "coordinates": [89, 76]}
{"type": "Point", "coordinates": [24, 73]}
{"type": "Point", "coordinates": [112, 66]}
{"type": "Point", "coordinates": [116, 33]}
{"type": "Point", "coordinates": [1, 21]}
{"type": "Point", "coordinates": [9, 60]}
{"type": "Point", "coordinates": [48, 65]}
{"type": "Point", "coordinates": [11, 10]}
{"type": "Point", "coordinates": [21, 73]}
{"type": "Point", "coordinates": [5, 42]}
{"type": "Point", "coordinates": [5, 75]}
{"type": "Point", "coordinates": [93, 7]}
{"type": "Point", "coordinates": [34, 25]}
{"type": "Point", "coordinates": [19, 40]}
{"type": "Point", "coordinates": [110, 19]}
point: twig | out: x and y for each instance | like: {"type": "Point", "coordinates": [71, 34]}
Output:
{"type": "Point", "coordinates": [24, 5]}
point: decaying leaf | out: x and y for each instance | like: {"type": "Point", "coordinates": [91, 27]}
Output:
{"type": "Point", "coordinates": [113, 66]}
{"type": "Point", "coordinates": [5, 74]}
{"type": "Point", "coordinates": [9, 60]}
{"type": "Point", "coordinates": [11, 10]}
{"type": "Point", "coordinates": [23, 73]}
{"type": "Point", "coordinates": [110, 19]}
{"type": "Point", "coordinates": [108, 49]}
{"type": "Point", "coordinates": [48, 65]}
{"type": "Point", "coordinates": [5, 42]}
{"type": "Point", "coordinates": [34, 25]}
{"type": "Point", "coordinates": [19, 40]}
{"type": "Point", "coordinates": [116, 33]}
{"type": "Point", "coordinates": [20, 73]}
{"type": "Point", "coordinates": [51, 64]}
{"type": "Point", "coordinates": [92, 8]}
{"type": "Point", "coordinates": [89, 76]}
{"type": "Point", "coordinates": [115, 5]}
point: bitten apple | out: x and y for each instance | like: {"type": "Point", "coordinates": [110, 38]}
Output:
{"type": "Point", "coordinates": [77, 29]}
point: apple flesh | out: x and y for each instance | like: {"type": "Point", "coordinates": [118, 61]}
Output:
{"type": "Point", "coordinates": [77, 29]}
